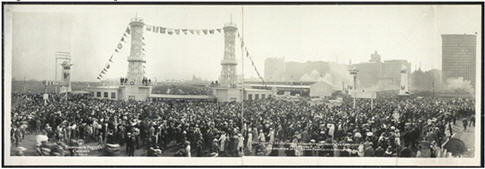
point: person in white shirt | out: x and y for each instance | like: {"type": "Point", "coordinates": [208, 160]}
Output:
{"type": "Point", "coordinates": [222, 140]}
{"type": "Point", "coordinates": [187, 148]}
{"type": "Point", "coordinates": [250, 140]}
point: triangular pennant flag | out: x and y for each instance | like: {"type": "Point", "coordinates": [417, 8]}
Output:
{"type": "Point", "coordinates": [219, 30]}
{"type": "Point", "coordinates": [120, 46]}
{"type": "Point", "coordinates": [177, 31]}
{"type": "Point", "coordinates": [116, 50]}
{"type": "Point", "coordinates": [170, 31]}
{"type": "Point", "coordinates": [162, 30]}
{"type": "Point", "coordinates": [198, 32]}
{"type": "Point", "coordinates": [98, 78]}
{"type": "Point", "coordinates": [149, 28]}
{"type": "Point", "coordinates": [205, 31]}
{"type": "Point", "coordinates": [124, 34]}
{"type": "Point", "coordinates": [127, 30]}
{"type": "Point", "coordinates": [242, 44]}
{"type": "Point", "coordinates": [110, 60]}
{"type": "Point", "coordinates": [143, 43]}
{"type": "Point", "coordinates": [238, 35]}
{"type": "Point", "coordinates": [155, 29]}
{"type": "Point", "coordinates": [211, 31]}
{"type": "Point", "coordinates": [185, 31]}
{"type": "Point", "coordinates": [191, 31]}
{"type": "Point", "coordinates": [123, 39]}
{"type": "Point", "coordinates": [107, 66]}
{"type": "Point", "coordinates": [142, 38]}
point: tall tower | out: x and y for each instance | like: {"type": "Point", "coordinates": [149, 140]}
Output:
{"type": "Point", "coordinates": [228, 77]}
{"type": "Point", "coordinates": [136, 60]}
{"type": "Point", "coordinates": [66, 76]}
{"type": "Point", "coordinates": [404, 89]}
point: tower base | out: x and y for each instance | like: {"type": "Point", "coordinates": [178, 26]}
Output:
{"type": "Point", "coordinates": [227, 94]}
{"type": "Point", "coordinates": [134, 92]}
{"type": "Point", "coordinates": [403, 93]}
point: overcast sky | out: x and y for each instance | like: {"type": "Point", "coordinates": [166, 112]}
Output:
{"type": "Point", "coordinates": [335, 33]}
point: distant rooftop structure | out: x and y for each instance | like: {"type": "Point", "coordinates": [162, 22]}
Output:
{"type": "Point", "coordinates": [375, 57]}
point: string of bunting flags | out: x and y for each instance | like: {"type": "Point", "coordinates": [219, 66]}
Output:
{"type": "Point", "coordinates": [245, 49]}
{"type": "Point", "coordinates": [182, 31]}
{"type": "Point", "coordinates": [118, 48]}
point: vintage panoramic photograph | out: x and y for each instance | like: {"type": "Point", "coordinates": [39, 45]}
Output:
{"type": "Point", "coordinates": [241, 84]}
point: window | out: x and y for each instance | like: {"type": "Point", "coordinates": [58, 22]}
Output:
{"type": "Point", "coordinates": [250, 97]}
{"type": "Point", "coordinates": [105, 94]}
{"type": "Point", "coordinates": [256, 96]}
{"type": "Point", "coordinates": [113, 95]}
{"type": "Point", "coordinates": [262, 96]}
{"type": "Point", "coordinates": [98, 94]}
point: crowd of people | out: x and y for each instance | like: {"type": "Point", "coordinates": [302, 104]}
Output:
{"type": "Point", "coordinates": [180, 90]}
{"type": "Point", "coordinates": [391, 127]}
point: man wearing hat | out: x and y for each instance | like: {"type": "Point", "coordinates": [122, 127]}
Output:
{"type": "Point", "coordinates": [130, 144]}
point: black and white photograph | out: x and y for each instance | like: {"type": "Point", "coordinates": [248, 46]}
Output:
{"type": "Point", "coordinates": [320, 84]}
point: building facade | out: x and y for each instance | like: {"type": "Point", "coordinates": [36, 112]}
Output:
{"type": "Point", "coordinates": [380, 75]}
{"type": "Point", "coordinates": [274, 69]}
{"type": "Point", "coordinates": [459, 56]}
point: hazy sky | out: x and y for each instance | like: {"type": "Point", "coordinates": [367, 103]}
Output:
{"type": "Point", "coordinates": [301, 33]}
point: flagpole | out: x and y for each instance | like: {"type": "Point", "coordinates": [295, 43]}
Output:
{"type": "Point", "coordinates": [55, 76]}
{"type": "Point", "coordinates": [242, 67]}
{"type": "Point", "coordinates": [24, 84]}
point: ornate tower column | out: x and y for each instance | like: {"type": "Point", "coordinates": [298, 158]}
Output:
{"type": "Point", "coordinates": [228, 77]}
{"type": "Point", "coordinates": [66, 76]}
{"type": "Point", "coordinates": [404, 89]}
{"type": "Point", "coordinates": [136, 60]}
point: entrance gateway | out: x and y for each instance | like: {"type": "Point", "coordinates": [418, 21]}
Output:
{"type": "Point", "coordinates": [136, 88]}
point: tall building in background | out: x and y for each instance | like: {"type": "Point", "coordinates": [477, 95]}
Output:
{"type": "Point", "coordinates": [274, 69]}
{"type": "Point", "coordinates": [390, 75]}
{"type": "Point", "coordinates": [380, 75]}
{"type": "Point", "coordinates": [459, 56]}
{"type": "Point", "coordinates": [369, 72]}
